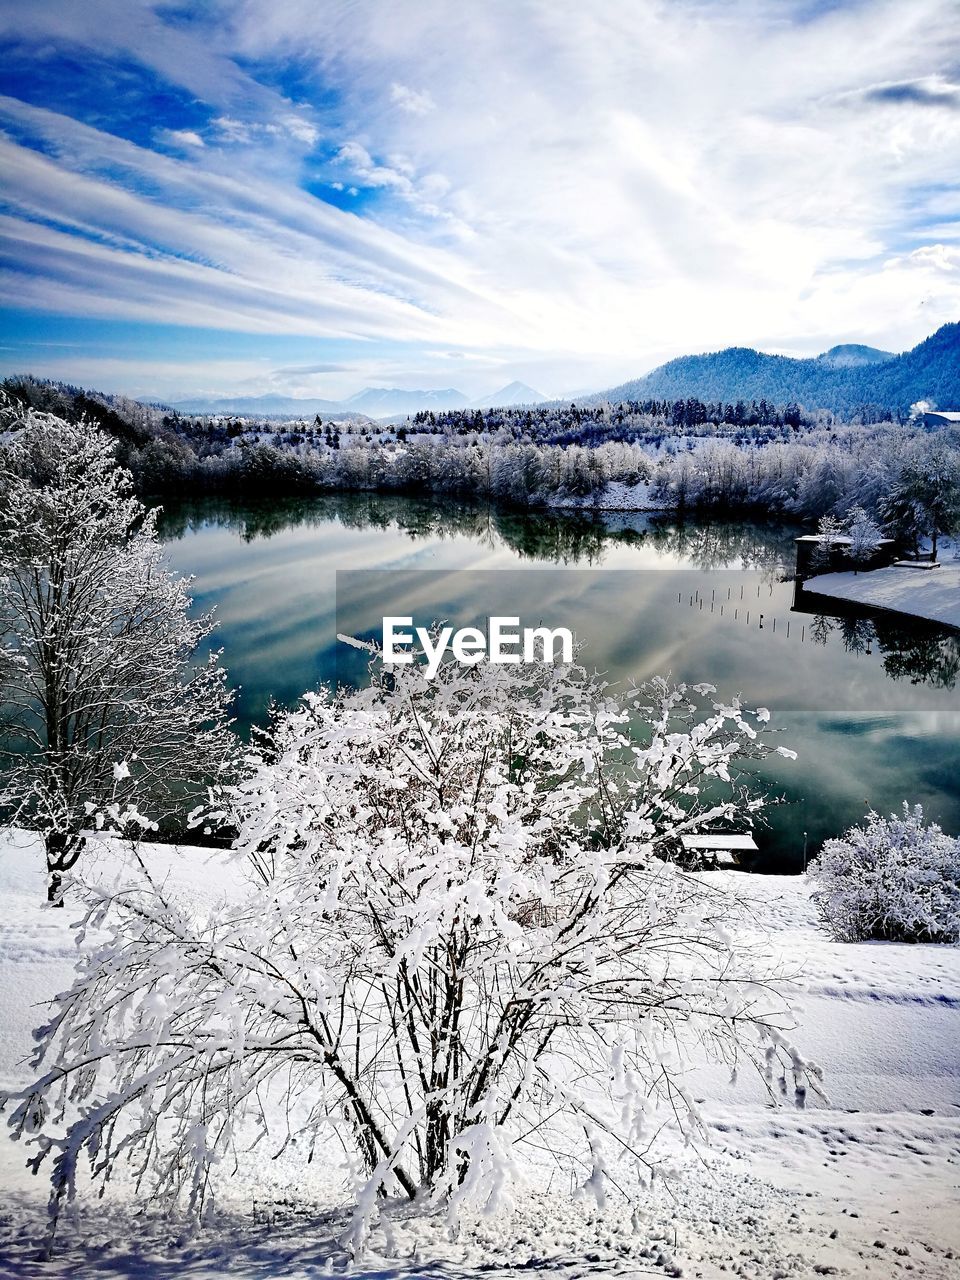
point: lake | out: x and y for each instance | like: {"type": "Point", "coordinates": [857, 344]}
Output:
{"type": "Point", "coordinates": [871, 707]}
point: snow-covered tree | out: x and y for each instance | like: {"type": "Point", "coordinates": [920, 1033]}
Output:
{"type": "Point", "coordinates": [895, 879]}
{"type": "Point", "coordinates": [865, 535]}
{"type": "Point", "coordinates": [104, 704]}
{"type": "Point", "coordinates": [829, 532]}
{"type": "Point", "coordinates": [923, 499]}
{"type": "Point", "coordinates": [458, 928]}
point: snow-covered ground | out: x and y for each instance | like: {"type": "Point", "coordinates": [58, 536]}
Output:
{"type": "Point", "coordinates": [867, 1185]}
{"type": "Point", "coordinates": [933, 594]}
{"type": "Point", "coordinates": [615, 496]}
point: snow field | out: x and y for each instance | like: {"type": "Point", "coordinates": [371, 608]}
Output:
{"type": "Point", "coordinates": [867, 1185]}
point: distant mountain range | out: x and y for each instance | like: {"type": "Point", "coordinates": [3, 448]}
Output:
{"type": "Point", "coordinates": [259, 406]}
{"type": "Point", "coordinates": [372, 402]}
{"type": "Point", "coordinates": [842, 379]}
{"type": "Point", "coordinates": [387, 402]}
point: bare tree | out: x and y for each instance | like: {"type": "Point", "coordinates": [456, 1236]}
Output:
{"type": "Point", "coordinates": [104, 704]}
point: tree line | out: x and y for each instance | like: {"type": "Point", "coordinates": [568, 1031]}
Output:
{"type": "Point", "coordinates": [645, 454]}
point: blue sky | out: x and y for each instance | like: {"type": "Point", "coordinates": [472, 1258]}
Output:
{"type": "Point", "coordinates": [289, 196]}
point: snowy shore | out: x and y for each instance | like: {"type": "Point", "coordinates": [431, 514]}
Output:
{"type": "Point", "coordinates": [615, 496]}
{"type": "Point", "coordinates": [932, 594]}
{"type": "Point", "coordinates": [863, 1186]}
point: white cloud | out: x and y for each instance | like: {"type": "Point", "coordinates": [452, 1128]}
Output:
{"type": "Point", "coordinates": [424, 192]}
{"type": "Point", "coordinates": [935, 257]}
{"type": "Point", "coordinates": [417, 103]}
{"type": "Point", "coordinates": [181, 137]}
{"type": "Point", "coordinates": [229, 129]}
{"type": "Point", "coordinates": [299, 127]}
{"type": "Point", "coordinates": [643, 179]}
{"type": "Point", "coordinates": [366, 170]}
{"type": "Point", "coordinates": [606, 184]}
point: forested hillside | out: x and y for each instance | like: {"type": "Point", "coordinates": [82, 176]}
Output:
{"type": "Point", "coordinates": [847, 380]}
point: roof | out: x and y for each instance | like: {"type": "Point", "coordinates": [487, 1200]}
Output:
{"type": "Point", "coordinates": [719, 840]}
{"type": "Point", "coordinates": [950, 415]}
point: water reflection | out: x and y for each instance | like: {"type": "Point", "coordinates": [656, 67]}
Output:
{"type": "Point", "coordinates": [872, 706]}
{"type": "Point", "coordinates": [574, 538]}
{"type": "Point", "coordinates": [922, 653]}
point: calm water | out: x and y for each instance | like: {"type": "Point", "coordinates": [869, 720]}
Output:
{"type": "Point", "coordinates": [872, 710]}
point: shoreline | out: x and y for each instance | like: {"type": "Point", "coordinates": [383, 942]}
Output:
{"type": "Point", "coordinates": [932, 595]}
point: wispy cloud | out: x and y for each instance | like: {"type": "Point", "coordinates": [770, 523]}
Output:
{"type": "Point", "coordinates": [932, 91]}
{"type": "Point", "coordinates": [228, 129]}
{"type": "Point", "coordinates": [567, 193]}
{"type": "Point", "coordinates": [180, 137]}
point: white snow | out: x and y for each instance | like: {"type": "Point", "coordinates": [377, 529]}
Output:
{"type": "Point", "coordinates": [615, 496]}
{"type": "Point", "coordinates": [933, 594]}
{"type": "Point", "coordinates": [864, 1186]}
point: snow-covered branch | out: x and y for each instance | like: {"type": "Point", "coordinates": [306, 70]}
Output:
{"type": "Point", "coordinates": [460, 924]}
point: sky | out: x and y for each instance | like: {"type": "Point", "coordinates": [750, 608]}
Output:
{"type": "Point", "coordinates": [307, 197]}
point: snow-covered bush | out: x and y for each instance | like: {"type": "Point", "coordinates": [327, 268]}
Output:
{"type": "Point", "coordinates": [456, 931]}
{"type": "Point", "coordinates": [894, 879]}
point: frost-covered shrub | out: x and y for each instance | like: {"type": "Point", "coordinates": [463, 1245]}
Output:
{"type": "Point", "coordinates": [893, 879]}
{"type": "Point", "coordinates": [456, 932]}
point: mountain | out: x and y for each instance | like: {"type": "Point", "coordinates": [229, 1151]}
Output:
{"type": "Point", "coordinates": [260, 406]}
{"type": "Point", "coordinates": [387, 402]}
{"type": "Point", "coordinates": [512, 394]}
{"type": "Point", "coordinates": [372, 402]}
{"type": "Point", "coordinates": [842, 379]}
{"type": "Point", "coordinates": [851, 355]}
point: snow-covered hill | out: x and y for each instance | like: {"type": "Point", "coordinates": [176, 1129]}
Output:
{"type": "Point", "coordinates": [864, 1186]}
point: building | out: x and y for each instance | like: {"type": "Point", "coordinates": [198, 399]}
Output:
{"type": "Point", "coordinates": [942, 418]}
{"type": "Point", "coordinates": [830, 553]}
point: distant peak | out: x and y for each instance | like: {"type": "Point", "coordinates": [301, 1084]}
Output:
{"type": "Point", "coordinates": [852, 355]}
{"type": "Point", "coordinates": [513, 393]}
{"type": "Point", "coordinates": [844, 379]}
